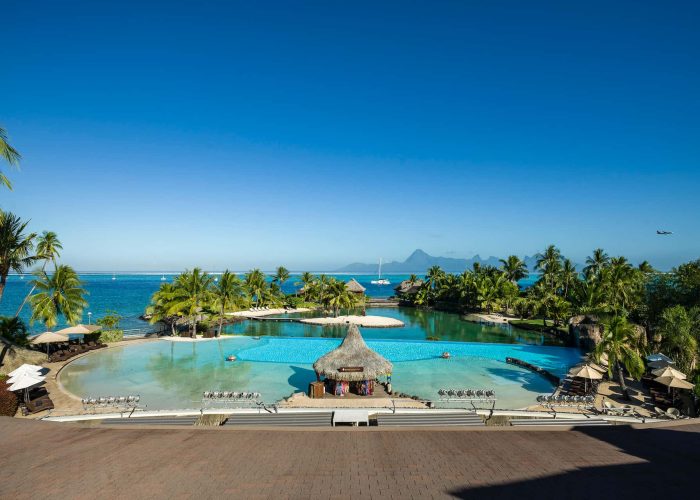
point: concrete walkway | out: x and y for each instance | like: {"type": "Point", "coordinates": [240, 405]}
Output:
{"type": "Point", "coordinates": [71, 461]}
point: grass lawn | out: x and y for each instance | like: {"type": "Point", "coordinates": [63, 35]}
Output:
{"type": "Point", "coordinates": [536, 324]}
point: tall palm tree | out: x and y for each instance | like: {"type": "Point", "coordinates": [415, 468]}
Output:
{"type": "Point", "coordinates": [549, 265]}
{"type": "Point", "coordinates": [15, 247]}
{"type": "Point", "coordinates": [569, 276]}
{"type": "Point", "coordinates": [623, 285]}
{"type": "Point", "coordinates": [488, 290]}
{"type": "Point", "coordinates": [226, 293]}
{"type": "Point", "coordinates": [619, 342]}
{"type": "Point", "coordinates": [322, 284]}
{"type": "Point", "coordinates": [514, 268]}
{"type": "Point", "coordinates": [596, 263]}
{"type": "Point", "coordinates": [306, 281]}
{"type": "Point", "coordinates": [48, 248]}
{"type": "Point", "coordinates": [10, 155]}
{"type": "Point", "coordinates": [60, 294]}
{"type": "Point", "coordinates": [677, 339]}
{"type": "Point", "coordinates": [281, 275]}
{"type": "Point", "coordinates": [192, 294]}
{"type": "Point", "coordinates": [338, 296]}
{"type": "Point", "coordinates": [256, 285]}
{"type": "Point", "coordinates": [646, 268]}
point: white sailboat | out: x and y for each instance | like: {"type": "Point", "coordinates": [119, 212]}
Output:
{"type": "Point", "coordinates": [379, 280]}
{"type": "Point", "coordinates": [162, 278]}
{"type": "Point", "coordinates": [114, 276]}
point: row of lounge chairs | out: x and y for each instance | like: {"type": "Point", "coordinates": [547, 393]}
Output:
{"type": "Point", "coordinates": [566, 400]}
{"type": "Point", "coordinates": [230, 395]}
{"type": "Point", "coordinates": [115, 401]}
{"type": "Point", "coordinates": [67, 351]}
{"type": "Point", "coordinates": [580, 387]}
{"type": "Point", "coordinates": [467, 394]}
{"type": "Point", "coordinates": [256, 309]}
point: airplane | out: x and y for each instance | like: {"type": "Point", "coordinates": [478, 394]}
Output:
{"type": "Point", "coordinates": [663, 233]}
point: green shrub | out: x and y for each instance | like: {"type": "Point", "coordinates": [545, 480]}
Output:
{"type": "Point", "coordinates": [108, 336]}
{"type": "Point", "coordinates": [8, 400]}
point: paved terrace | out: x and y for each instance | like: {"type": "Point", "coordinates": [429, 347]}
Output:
{"type": "Point", "coordinates": [70, 461]}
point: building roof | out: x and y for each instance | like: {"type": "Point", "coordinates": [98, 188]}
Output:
{"type": "Point", "coordinates": [354, 286]}
{"type": "Point", "coordinates": [352, 353]}
{"type": "Point", "coordinates": [407, 287]}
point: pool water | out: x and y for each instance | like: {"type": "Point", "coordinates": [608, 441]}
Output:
{"type": "Point", "coordinates": [174, 374]}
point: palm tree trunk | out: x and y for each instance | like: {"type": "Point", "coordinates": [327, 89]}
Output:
{"type": "Point", "coordinates": [621, 381]}
{"type": "Point", "coordinates": [5, 348]}
{"type": "Point", "coordinates": [43, 269]}
{"type": "Point", "coordinates": [3, 280]}
{"type": "Point", "coordinates": [221, 323]}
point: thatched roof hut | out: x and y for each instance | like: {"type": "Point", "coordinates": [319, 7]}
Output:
{"type": "Point", "coordinates": [354, 286]}
{"type": "Point", "coordinates": [407, 287]}
{"type": "Point", "coordinates": [353, 353]}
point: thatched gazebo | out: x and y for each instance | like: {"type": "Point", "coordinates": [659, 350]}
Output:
{"type": "Point", "coordinates": [352, 365]}
{"type": "Point", "coordinates": [354, 286]}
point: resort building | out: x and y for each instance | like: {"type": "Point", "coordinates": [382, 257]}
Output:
{"type": "Point", "coordinates": [354, 286]}
{"type": "Point", "coordinates": [408, 287]}
{"type": "Point", "coordinates": [352, 366]}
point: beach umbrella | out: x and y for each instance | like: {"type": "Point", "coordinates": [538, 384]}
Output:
{"type": "Point", "coordinates": [669, 372]}
{"type": "Point", "coordinates": [660, 364]}
{"type": "Point", "coordinates": [587, 371]}
{"type": "Point", "coordinates": [597, 368]}
{"type": "Point", "coordinates": [49, 338]}
{"type": "Point", "coordinates": [659, 357]}
{"type": "Point", "coordinates": [674, 382]}
{"type": "Point", "coordinates": [25, 368]}
{"type": "Point", "coordinates": [25, 381]}
{"type": "Point", "coordinates": [80, 330]}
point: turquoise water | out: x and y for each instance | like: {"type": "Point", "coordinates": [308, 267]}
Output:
{"type": "Point", "coordinates": [174, 374]}
{"type": "Point", "coordinates": [129, 294]}
{"type": "Point", "coordinates": [419, 325]}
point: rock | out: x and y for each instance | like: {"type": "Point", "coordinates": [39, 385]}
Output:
{"type": "Point", "coordinates": [586, 331]}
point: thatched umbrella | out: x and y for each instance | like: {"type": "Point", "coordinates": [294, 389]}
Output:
{"type": "Point", "coordinates": [352, 353]}
{"type": "Point", "coordinates": [354, 286]}
{"type": "Point", "coordinates": [49, 338]}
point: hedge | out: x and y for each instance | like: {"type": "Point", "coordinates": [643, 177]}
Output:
{"type": "Point", "coordinates": [8, 400]}
{"type": "Point", "coordinates": [108, 336]}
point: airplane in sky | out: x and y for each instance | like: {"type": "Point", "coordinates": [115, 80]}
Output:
{"type": "Point", "coordinates": [663, 233]}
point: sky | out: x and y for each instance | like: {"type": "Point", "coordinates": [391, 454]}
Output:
{"type": "Point", "coordinates": [167, 135]}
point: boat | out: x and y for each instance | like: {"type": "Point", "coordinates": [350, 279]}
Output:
{"type": "Point", "coordinates": [379, 280]}
{"type": "Point", "coordinates": [162, 278]}
{"type": "Point", "coordinates": [114, 276]}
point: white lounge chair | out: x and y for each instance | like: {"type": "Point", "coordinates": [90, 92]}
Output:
{"type": "Point", "coordinates": [615, 410]}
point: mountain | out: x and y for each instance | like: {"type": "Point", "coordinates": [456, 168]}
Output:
{"type": "Point", "coordinates": [419, 262]}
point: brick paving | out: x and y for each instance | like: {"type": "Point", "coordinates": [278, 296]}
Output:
{"type": "Point", "coordinates": [71, 461]}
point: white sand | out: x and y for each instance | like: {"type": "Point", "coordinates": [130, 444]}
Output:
{"type": "Point", "coordinates": [488, 318]}
{"type": "Point", "coordinates": [364, 321]}
{"type": "Point", "coordinates": [268, 312]}
{"type": "Point", "coordinates": [301, 400]}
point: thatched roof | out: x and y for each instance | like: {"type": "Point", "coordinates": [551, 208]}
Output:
{"type": "Point", "coordinates": [354, 287]}
{"type": "Point", "coordinates": [353, 352]}
{"type": "Point", "coordinates": [406, 287]}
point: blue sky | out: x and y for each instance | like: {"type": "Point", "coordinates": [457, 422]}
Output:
{"type": "Point", "coordinates": [314, 134]}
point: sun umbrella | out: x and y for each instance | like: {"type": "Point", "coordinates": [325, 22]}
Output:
{"type": "Point", "coordinates": [659, 357]}
{"type": "Point", "coordinates": [676, 383]}
{"type": "Point", "coordinates": [26, 381]}
{"type": "Point", "coordinates": [598, 368]}
{"type": "Point", "coordinates": [49, 338]}
{"type": "Point", "coordinates": [80, 330]}
{"type": "Point", "coordinates": [25, 368]}
{"type": "Point", "coordinates": [587, 371]}
{"type": "Point", "coordinates": [669, 372]}
{"type": "Point", "coordinates": [660, 364]}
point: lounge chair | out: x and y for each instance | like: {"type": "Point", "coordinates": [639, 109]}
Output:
{"type": "Point", "coordinates": [615, 410]}
{"type": "Point", "coordinates": [674, 413]}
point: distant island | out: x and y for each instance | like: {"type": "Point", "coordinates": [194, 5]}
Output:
{"type": "Point", "coordinates": [419, 262]}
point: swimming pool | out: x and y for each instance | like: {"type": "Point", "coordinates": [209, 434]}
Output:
{"type": "Point", "coordinates": [174, 374]}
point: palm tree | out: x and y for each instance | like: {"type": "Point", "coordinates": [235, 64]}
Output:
{"type": "Point", "coordinates": [10, 155]}
{"type": "Point", "coordinates": [60, 294]}
{"type": "Point", "coordinates": [646, 268]}
{"type": "Point", "coordinates": [596, 263]}
{"type": "Point", "coordinates": [338, 296]}
{"type": "Point", "coordinates": [13, 333]}
{"type": "Point", "coordinates": [161, 305]}
{"type": "Point", "coordinates": [48, 248]}
{"type": "Point", "coordinates": [15, 247]}
{"type": "Point", "coordinates": [412, 279]}
{"type": "Point", "coordinates": [226, 293]}
{"type": "Point", "coordinates": [488, 290]}
{"type": "Point", "coordinates": [569, 276]}
{"type": "Point", "coordinates": [619, 342]}
{"type": "Point", "coordinates": [192, 294]}
{"type": "Point", "coordinates": [589, 297]}
{"type": "Point", "coordinates": [306, 281]}
{"type": "Point", "coordinates": [622, 284]}
{"type": "Point", "coordinates": [677, 339]}
{"type": "Point", "coordinates": [549, 265]}
{"type": "Point", "coordinates": [281, 275]}
{"type": "Point", "coordinates": [256, 285]}
{"type": "Point", "coordinates": [322, 284]}
{"type": "Point", "coordinates": [514, 268]}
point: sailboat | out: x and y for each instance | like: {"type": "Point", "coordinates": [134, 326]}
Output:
{"type": "Point", "coordinates": [162, 278]}
{"type": "Point", "coordinates": [379, 280]}
{"type": "Point", "coordinates": [114, 276]}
